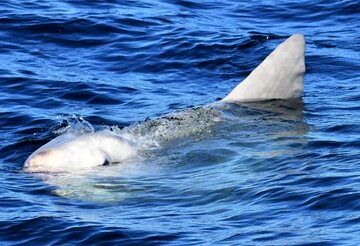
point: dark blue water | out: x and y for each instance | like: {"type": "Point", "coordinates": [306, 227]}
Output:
{"type": "Point", "coordinates": [270, 174]}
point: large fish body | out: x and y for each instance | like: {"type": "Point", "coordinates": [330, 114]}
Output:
{"type": "Point", "coordinates": [279, 76]}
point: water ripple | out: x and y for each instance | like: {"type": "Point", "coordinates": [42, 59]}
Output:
{"type": "Point", "coordinates": [269, 173]}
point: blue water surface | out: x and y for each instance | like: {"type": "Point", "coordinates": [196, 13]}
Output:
{"type": "Point", "coordinates": [274, 174]}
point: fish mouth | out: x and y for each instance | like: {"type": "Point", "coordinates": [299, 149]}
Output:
{"type": "Point", "coordinates": [31, 167]}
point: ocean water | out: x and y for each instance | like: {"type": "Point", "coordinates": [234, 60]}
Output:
{"type": "Point", "coordinates": [267, 173]}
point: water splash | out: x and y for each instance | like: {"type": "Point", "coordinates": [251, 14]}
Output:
{"type": "Point", "coordinates": [72, 123]}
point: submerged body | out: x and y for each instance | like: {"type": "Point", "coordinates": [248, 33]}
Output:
{"type": "Point", "coordinates": [279, 76]}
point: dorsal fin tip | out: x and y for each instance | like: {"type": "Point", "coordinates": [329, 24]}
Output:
{"type": "Point", "coordinates": [279, 76]}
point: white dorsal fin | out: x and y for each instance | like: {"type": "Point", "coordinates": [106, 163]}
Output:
{"type": "Point", "coordinates": [279, 76]}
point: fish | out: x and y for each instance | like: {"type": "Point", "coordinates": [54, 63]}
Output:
{"type": "Point", "coordinates": [279, 76]}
